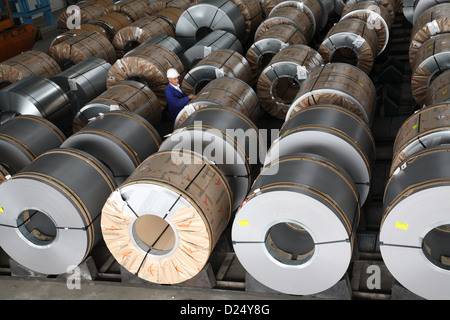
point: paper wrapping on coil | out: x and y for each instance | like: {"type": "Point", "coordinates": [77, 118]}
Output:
{"type": "Point", "coordinates": [171, 15]}
{"type": "Point", "coordinates": [198, 218]}
{"type": "Point", "coordinates": [28, 63]}
{"type": "Point", "coordinates": [126, 95]}
{"type": "Point", "coordinates": [351, 38]}
{"type": "Point", "coordinates": [427, 121]}
{"type": "Point", "coordinates": [301, 60]}
{"type": "Point", "coordinates": [140, 31]}
{"type": "Point", "coordinates": [111, 23]}
{"type": "Point", "coordinates": [340, 84]}
{"type": "Point", "coordinates": [433, 21]}
{"type": "Point", "coordinates": [3, 174]}
{"type": "Point", "coordinates": [225, 63]}
{"type": "Point", "coordinates": [87, 10]}
{"type": "Point", "coordinates": [439, 90]}
{"type": "Point", "coordinates": [376, 16]}
{"type": "Point", "coordinates": [390, 5]}
{"type": "Point", "coordinates": [432, 58]}
{"type": "Point", "coordinates": [155, 7]}
{"type": "Point", "coordinates": [267, 6]}
{"type": "Point", "coordinates": [287, 15]}
{"type": "Point", "coordinates": [251, 11]}
{"type": "Point", "coordinates": [149, 63]}
{"type": "Point", "coordinates": [229, 92]}
{"type": "Point", "coordinates": [134, 9]}
{"type": "Point", "coordinates": [83, 46]}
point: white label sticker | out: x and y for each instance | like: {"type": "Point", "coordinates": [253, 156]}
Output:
{"type": "Point", "coordinates": [220, 73]}
{"type": "Point", "coordinates": [300, 5]}
{"type": "Point", "coordinates": [206, 51]}
{"type": "Point", "coordinates": [119, 63]}
{"type": "Point", "coordinates": [138, 32]}
{"type": "Point", "coordinates": [302, 73]}
{"type": "Point", "coordinates": [72, 84]}
{"type": "Point", "coordinates": [114, 107]}
{"type": "Point", "coordinates": [359, 41]}
{"type": "Point", "coordinates": [433, 27]}
{"type": "Point", "coordinates": [189, 109]}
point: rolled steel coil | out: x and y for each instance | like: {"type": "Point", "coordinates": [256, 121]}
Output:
{"type": "Point", "coordinates": [432, 59]}
{"type": "Point", "coordinates": [216, 40]}
{"type": "Point", "coordinates": [334, 133]}
{"type": "Point", "coordinates": [165, 41]}
{"type": "Point", "coordinates": [300, 214]}
{"type": "Point", "coordinates": [87, 27]}
{"type": "Point", "coordinates": [340, 84]}
{"type": "Point", "coordinates": [390, 5]}
{"type": "Point", "coordinates": [121, 140]}
{"type": "Point", "coordinates": [268, 44]}
{"type": "Point", "coordinates": [439, 91]}
{"type": "Point", "coordinates": [287, 15]}
{"type": "Point", "coordinates": [105, 3]}
{"type": "Point", "coordinates": [39, 97]}
{"type": "Point", "coordinates": [180, 210]}
{"type": "Point", "coordinates": [112, 23]}
{"type": "Point", "coordinates": [84, 81]}
{"type": "Point", "coordinates": [134, 9]}
{"type": "Point", "coordinates": [28, 63]}
{"type": "Point", "coordinates": [209, 15]}
{"type": "Point", "coordinates": [228, 92]}
{"type": "Point", "coordinates": [171, 15]}
{"type": "Point", "coordinates": [24, 138]}
{"type": "Point", "coordinates": [218, 64]}
{"type": "Point", "coordinates": [147, 64]}
{"type": "Point", "coordinates": [426, 128]}
{"type": "Point", "coordinates": [139, 32]}
{"type": "Point", "coordinates": [51, 221]}
{"type": "Point", "coordinates": [87, 11]}
{"type": "Point", "coordinates": [376, 17]}
{"type": "Point", "coordinates": [83, 46]}
{"type": "Point", "coordinates": [422, 5]}
{"type": "Point", "coordinates": [227, 138]}
{"type": "Point", "coordinates": [408, 9]}
{"type": "Point", "coordinates": [158, 6]}
{"type": "Point", "coordinates": [415, 224]}
{"type": "Point", "coordinates": [252, 13]}
{"type": "Point", "coordinates": [126, 95]}
{"type": "Point", "coordinates": [328, 10]}
{"type": "Point", "coordinates": [433, 21]}
{"type": "Point", "coordinates": [350, 41]}
{"type": "Point", "coordinates": [280, 81]}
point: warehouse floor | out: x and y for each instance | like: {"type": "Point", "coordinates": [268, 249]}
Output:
{"type": "Point", "coordinates": [226, 279]}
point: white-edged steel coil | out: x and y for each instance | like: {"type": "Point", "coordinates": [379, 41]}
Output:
{"type": "Point", "coordinates": [134, 9]}
{"type": "Point", "coordinates": [439, 90]}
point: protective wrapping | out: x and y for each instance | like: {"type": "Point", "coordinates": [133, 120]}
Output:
{"type": "Point", "coordinates": [126, 95]}
{"type": "Point", "coordinates": [280, 81]}
{"type": "Point", "coordinates": [147, 64]}
{"type": "Point", "coordinates": [28, 63]}
{"type": "Point", "coordinates": [229, 92]}
{"type": "Point", "coordinates": [218, 64]}
{"type": "Point", "coordinates": [171, 15]}
{"type": "Point", "coordinates": [157, 6]}
{"type": "Point", "coordinates": [433, 21]}
{"type": "Point", "coordinates": [252, 13]}
{"type": "Point", "coordinates": [439, 90]}
{"type": "Point", "coordinates": [340, 84]}
{"type": "Point", "coordinates": [81, 47]}
{"type": "Point", "coordinates": [269, 44]}
{"type": "Point", "coordinates": [376, 17]}
{"type": "Point", "coordinates": [134, 9]}
{"type": "Point", "coordinates": [112, 22]}
{"type": "Point", "coordinates": [87, 27]}
{"type": "Point", "coordinates": [390, 5]}
{"type": "Point", "coordinates": [350, 41]}
{"type": "Point", "coordinates": [140, 31]}
{"type": "Point", "coordinates": [180, 212]}
{"type": "Point", "coordinates": [89, 10]}
{"type": "Point", "coordinates": [432, 58]}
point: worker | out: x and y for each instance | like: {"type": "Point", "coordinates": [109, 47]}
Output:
{"type": "Point", "coordinates": [176, 97]}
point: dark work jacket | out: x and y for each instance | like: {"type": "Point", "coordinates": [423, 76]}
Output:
{"type": "Point", "coordinates": [176, 100]}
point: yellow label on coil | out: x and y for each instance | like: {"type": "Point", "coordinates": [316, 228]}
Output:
{"type": "Point", "coordinates": [243, 223]}
{"type": "Point", "coordinates": [1, 209]}
{"type": "Point", "coordinates": [401, 225]}
{"type": "Point", "coordinates": [361, 84]}
{"type": "Point", "coordinates": [415, 126]}
{"type": "Point", "coordinates": [444, 92]}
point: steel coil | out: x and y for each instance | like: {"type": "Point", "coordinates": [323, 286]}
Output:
{"type": "Point", "coordinates": [432, 59]}
{"type": "Point", "coordinates": [165, 41]}
{"type": "Point", "coordinates": [280, 81]}
{"type": "Point", "coordinates": [24, 138]}
{"type": "Point", "coordinates": [390, 5]}
{"type": "Point", "coordinates": [87, 27]}
{"type": "Point", "coordinates": [422, 5]}
{"type": "Point", "coordinates": [433, 21]}
{"type": "Point", "coordinates": [252, 13]}
{"type": "Point", "coordinates": [87, 11]}
{"type": "Point", "coordinates": [134, 9]}
{"type": "Point", "coordinates": [121, 140]}
{"type": "Point", "coordinates": [334, 133]}
{"type": "Point", "coordinates": [350, 41]}
{"type": "Point", "coordinates": [216, 40]}
{"type": "Point", "coordinates": [209, 15]}
{"type": "Point", "coordinates": [147, 64]}
{"type": "Point", "coordinates": [227, 92]}
{"type": "Point", "coordinates": [439, 89]}
{"type": "Point", "coordinates": [218, 64]}
{"type": "Point", "coordinates": [300, 214]}
{"type": "Point", "coordinates": [51, 221]}
{"type": "Point", "coordinates": [112, 23]}
{"type": "Point", "coordinates": [127, 95]}
{"type": "Point", "coordinates": [376, 17]}
{"type": "Point", "coordinates": [171, 15]}
{"type": "Point", "coordinates": [83, 46]}
{"type": "Point", "coordinates": [139, 32]}
{"type": "Point", "coordinates": [414, 227]}
{"type": "Point", "coordinates": [171, 219]}
{"type": "Point", "coordinates": [28, 63]}
{"type": "Point", "coordinates": [39, 97]}
{"type": "Point", "coordinates": [340, 84]}
{"type": "Point", "coordinates": [84, 81]}
{"type": "Point", "coordinates": [158, 6]}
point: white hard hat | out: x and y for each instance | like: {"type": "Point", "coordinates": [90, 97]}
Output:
{"type": "Point", "coordinates": [172, 73]}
